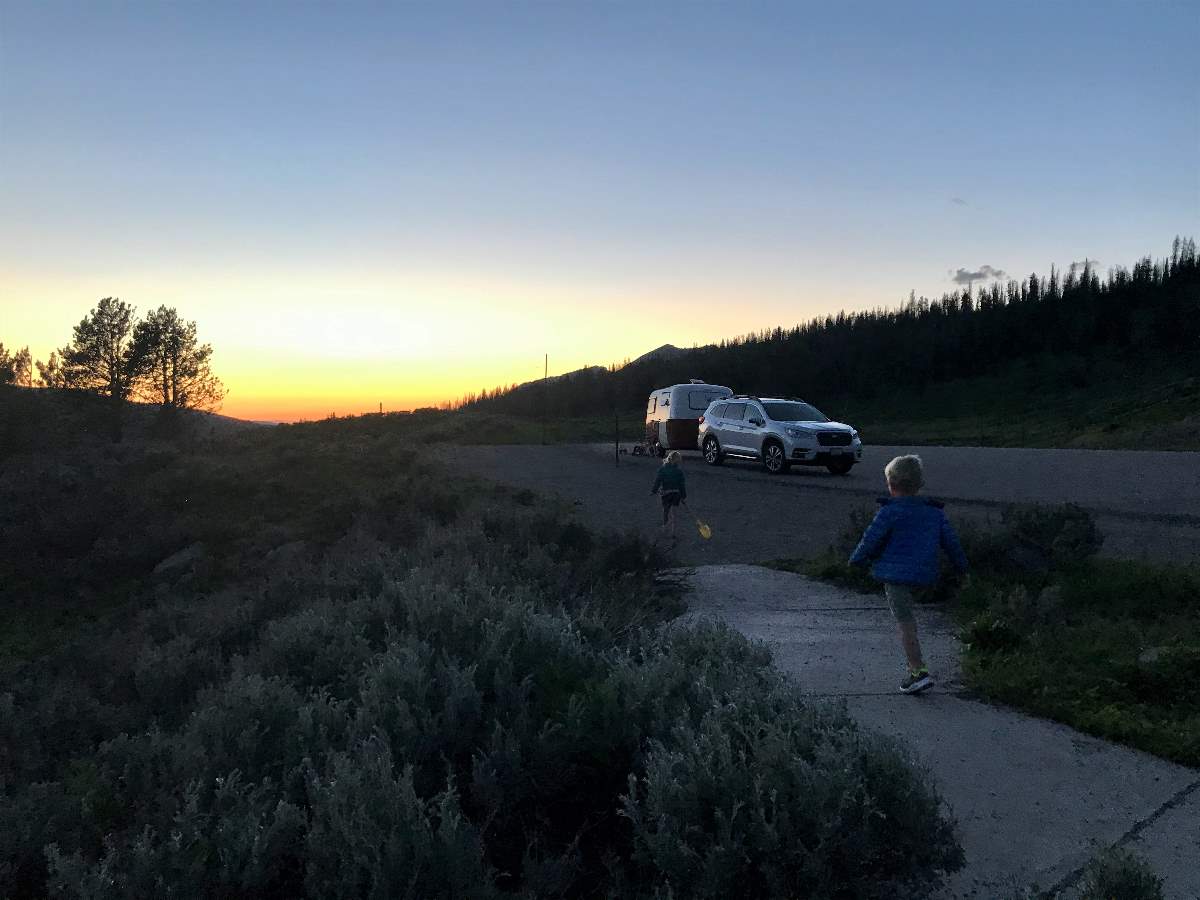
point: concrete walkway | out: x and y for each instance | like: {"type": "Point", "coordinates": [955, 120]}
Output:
{"type": "Point", "coordinates": [1034, 799]}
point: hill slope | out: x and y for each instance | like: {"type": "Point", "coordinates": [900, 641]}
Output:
{"type": "Point", "coordinates": [1075, 360]}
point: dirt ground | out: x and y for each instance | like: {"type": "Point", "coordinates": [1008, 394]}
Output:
{"type": "Point", "coordinates": [1146, 504]}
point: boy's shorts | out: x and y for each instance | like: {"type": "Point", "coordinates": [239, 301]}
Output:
{"type": "Point", "coordinates": [900, 599]}
{"type": "Point", "coordinates": [669, 499]}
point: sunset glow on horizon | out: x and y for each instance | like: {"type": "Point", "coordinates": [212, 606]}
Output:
{"type": "Point", "coordinates": [346, 350]}
{"type": "Point", "coordinates": [367, 204]}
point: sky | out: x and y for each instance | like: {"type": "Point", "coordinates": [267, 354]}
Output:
{"type": "Point", "coordinates": [398, 203]}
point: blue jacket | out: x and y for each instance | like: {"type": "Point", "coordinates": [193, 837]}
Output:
{"type": "Point", "coordinates": [903, 541]}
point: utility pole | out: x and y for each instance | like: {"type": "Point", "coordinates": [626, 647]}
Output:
{"type": "Point", "coordinates": [545, 394]}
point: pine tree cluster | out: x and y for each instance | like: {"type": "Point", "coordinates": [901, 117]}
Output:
{"type": "Point", "coordinates": [1138, 314]}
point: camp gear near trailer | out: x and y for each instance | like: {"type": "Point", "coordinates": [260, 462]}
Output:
{"type": "Point", "coordinates": [673, 414]}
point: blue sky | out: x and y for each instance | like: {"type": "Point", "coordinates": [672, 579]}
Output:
{"type": "Point", "coordinates": [555, 170]}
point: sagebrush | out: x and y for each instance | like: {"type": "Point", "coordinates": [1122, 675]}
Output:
{"type": "Point", "coordinates": [368, 677]}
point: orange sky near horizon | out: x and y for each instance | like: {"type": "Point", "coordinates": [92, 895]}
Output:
{"type": "Point", "coordinates": [300, 346]}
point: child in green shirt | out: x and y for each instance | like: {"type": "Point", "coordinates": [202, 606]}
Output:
{"type": "Point", "coordinates": [673, 488]}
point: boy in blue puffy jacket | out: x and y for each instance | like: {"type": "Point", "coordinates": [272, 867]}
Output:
{"type": "Point", "coordinates": [902, 541]}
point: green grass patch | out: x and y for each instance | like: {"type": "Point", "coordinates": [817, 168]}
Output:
{"type": "Point", "coordinates": [1057, 401]}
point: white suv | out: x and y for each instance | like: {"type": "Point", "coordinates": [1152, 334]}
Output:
{"type": "Point", "coordinates": [779, 432]}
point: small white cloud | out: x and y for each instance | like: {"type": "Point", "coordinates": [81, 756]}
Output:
{"type": "Point", "coordinates": [983, 273]}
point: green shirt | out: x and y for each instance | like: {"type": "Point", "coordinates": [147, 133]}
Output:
{"type": "Point", "coordinates": [670, 478]}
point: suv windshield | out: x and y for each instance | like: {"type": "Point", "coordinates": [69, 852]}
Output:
{"type": "Point", "coordinates": [794, 412]}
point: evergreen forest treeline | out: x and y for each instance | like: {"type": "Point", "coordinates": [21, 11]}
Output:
{"type": "Point", "coordinates": [1143, 315]}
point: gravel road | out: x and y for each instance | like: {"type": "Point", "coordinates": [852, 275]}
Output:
{"type": "Point", "coordinates": [1147, 504]}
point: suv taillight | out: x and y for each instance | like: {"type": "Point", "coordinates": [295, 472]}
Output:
{"type": "Point", "coordinates": [701, 422]}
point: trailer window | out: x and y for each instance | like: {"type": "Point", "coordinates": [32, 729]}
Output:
{"type": "Point", "coordinates": [699, 400]}
{"type": "Point", "coordinates": [652, 405]}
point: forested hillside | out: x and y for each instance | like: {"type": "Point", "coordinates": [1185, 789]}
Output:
{"type": "Point", "coordinates": [1073, 328]}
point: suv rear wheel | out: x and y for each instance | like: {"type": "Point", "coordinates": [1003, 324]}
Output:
{"type": "Point", "coordinates": [712, 452]}
{"type": "Point", "coordinates": [773, 458]}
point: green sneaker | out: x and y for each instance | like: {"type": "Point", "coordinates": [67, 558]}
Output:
{"type": "Point", "coordinates": [915, 682]}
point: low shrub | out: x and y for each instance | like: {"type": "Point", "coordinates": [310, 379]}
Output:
{"type": "Point", "coordinates": [747, 804]}
{"type": "Point", "coordinates": [368, 834]}
{"type": "Point", "coordinates": [1168, 676]}
{"type": "Point", "coordinates": [167, 675]}
{"type": "Point", "coordinates": [990, 633]}
{"type": "Point", "coordinates": [1130, 588]}
{"type": "Point", "coordinates": [465, 695]}
{"type": "Point", "coordinates": [492, 748]}
{"type": "Point", "coordinates": [1040, 538]}
{"type": "Point", "coordinates": [1119, 873]}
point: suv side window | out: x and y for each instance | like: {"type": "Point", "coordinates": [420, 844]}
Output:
{"type": "Point", "coordinates": [718, 411]}
{"type": "Point", "coordinates": [734, 412]}
{"type": "Point", "coordinates": [753, 412]}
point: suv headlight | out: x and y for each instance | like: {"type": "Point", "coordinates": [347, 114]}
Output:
{"type": "Point", "coordinates": [797, 433]}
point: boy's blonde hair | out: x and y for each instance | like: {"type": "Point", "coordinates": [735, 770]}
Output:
{"type": "Point", "coordinates": [905, 473]}
{"type": "Point", "coordinates": [673, 457]}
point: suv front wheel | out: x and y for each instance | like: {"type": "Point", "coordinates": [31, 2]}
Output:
{"type": "Point", "coordinates": [773, 458]}
{"type": "Point", "coordinates": [712, 451]}
{"type": "Point", "coordinates": [841, 467]}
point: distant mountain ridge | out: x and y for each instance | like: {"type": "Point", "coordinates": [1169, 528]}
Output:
{"type": "Point", "coordinates": [665, 352]}
{"type": "Point", "coordinates": [565, 376]}
{"type": "Point", "coordinates": [658, 354]}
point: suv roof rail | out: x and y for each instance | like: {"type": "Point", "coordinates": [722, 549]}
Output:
{"type": "Point", "coordinates": [741, 397]}
{"type": "Point", "coordinates": [697, 381]}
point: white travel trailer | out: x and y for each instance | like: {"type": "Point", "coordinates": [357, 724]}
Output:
{"type": "Point", "coordinates": [673, 414]}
